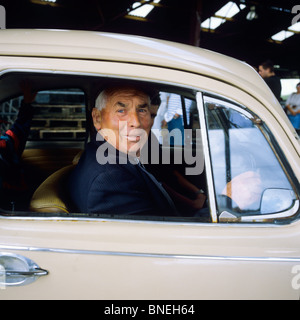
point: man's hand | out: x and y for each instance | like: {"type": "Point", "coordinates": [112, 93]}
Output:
{"type": "Point", "coordinates": [245, 189]}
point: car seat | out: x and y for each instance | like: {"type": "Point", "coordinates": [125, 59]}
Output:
{"type": "Point", "coordinates": [51, 195]}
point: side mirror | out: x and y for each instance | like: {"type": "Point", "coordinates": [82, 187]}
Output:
{"type": "Point", "coordinates": [276, 205]}
{"type": "Point", "coordinates": [277, 200]}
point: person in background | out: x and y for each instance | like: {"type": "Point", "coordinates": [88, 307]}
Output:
{"type": "Point", "coordinates": [13, 141]}
{"type": "Point", "coordinates": [173, 118]}
{"type": "Point", "coordinates": [267, 72]}
{"type": "Point", "coordinates": [293, 108]}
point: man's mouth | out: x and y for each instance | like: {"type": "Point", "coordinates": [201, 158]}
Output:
{"type": "Point", "coordinates": [133, 138]}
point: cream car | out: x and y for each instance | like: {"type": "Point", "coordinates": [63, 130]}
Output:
{"type": "Point", "coordinates": [244, 155]}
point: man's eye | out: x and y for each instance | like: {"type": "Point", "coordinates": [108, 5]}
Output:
{"type": "Point", "coordinates": [121, 111]}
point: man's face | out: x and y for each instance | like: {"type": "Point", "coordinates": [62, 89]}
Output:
{"type": "Point", "coordinates": [265, 73]}
{"type": "Point", "coordinates": [126, 121]}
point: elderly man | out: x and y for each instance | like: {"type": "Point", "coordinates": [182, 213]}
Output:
{"type": "Point", "coordinates": [109, 178]}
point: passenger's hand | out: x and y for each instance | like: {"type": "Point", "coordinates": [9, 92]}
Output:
{"type": "Point", "coordinates": [199, 202]}
{"type": "Point", "coordinates": [245, 189]}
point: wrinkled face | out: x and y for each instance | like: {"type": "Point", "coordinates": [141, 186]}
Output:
{"type": "Point", "coordinates": [126, 121]}
{"type": "Point", "coordinates": [265, 73]}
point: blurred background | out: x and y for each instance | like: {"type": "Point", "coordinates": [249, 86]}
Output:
{"type": "Point", "coordinates": [251, 31]}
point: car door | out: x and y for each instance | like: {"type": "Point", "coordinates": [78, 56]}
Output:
{"type": "Point", "coordinates": [117, 259]}
{"type": "Point", "coordinates": [245, 251]}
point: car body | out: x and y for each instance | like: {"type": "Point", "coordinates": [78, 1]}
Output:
{"type": "Point", "coordinates": [250, 254]}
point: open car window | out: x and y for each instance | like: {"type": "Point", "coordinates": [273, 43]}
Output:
{"type": "Point", "coordinates": [62, 117]}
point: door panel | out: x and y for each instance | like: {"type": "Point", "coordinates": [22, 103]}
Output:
{"type": "Point", "coordinates": [106, 277]}
{"type": "Point", "coordinates": [145, 260]}
{"type": "Point", "coordinates": [121, 260]}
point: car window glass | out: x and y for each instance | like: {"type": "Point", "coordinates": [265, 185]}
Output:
{"type": "Point", "coordinates": [58, 115]}
{"type": "Point", "coordinates": [57, 132]}
{"type": "Point", "coordinates": [248, 176]}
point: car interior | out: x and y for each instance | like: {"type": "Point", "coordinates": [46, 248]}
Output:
{"type": "Point", "coordinates": [60, 129]}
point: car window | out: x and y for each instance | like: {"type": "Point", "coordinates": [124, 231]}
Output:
{"type": "Point", "coordinates": [251, 183]}
{"type": "Point", "coordinates": [249, 174]}
{"type": "Point", "coordinates": [58, 115]}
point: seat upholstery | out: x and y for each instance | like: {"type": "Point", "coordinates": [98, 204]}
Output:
{"type": "Point", "coordinates": [51, 194]}
{"type": "Point", "coordinates": [45, 162]}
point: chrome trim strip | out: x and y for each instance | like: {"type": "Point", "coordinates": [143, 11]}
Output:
{"type": "Point", "coordinates": [149, 255]}
{"type": "Point", "coordinates": [208, 166]}
{"type": "Point", "coordinates": [147, 222]}
{"type": "Point", "coordinates": [192, 223]}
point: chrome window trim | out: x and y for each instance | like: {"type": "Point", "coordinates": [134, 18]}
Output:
{"type": "Point", "coordinates": [207, 160]}
{"type": "Point", "coordinates": [147, 222]}
{"type": "Point", "coordinates": [228, 104]}
{"type": "Point", "coordinates": [101, 220]}
{"type": "Point", "coordinates": [151, 255]}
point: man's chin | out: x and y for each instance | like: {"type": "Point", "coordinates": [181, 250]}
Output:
{"type": "Point", "coordinates": [133, 149]}
{"type": "Point", "coordinates": [129, 148]}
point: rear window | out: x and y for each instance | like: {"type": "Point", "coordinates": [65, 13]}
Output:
{"type": "Point", "coordinates": [59, 115]}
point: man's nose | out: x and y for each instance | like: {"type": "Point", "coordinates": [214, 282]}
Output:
{"type": "Point", "coordinates": [134, 120]}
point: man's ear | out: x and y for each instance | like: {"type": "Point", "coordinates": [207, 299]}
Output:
{"type": "Point", "coordinates": [96, 115]}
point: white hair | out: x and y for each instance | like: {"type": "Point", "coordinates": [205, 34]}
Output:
{"type": "Point", "coordinates": [101, 101]}
{"type": "Point", "coordinates": [103, 97]}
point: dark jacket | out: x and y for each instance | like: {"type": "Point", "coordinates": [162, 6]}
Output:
{"type": "Point", "coordinates": [275, 85]}
{"type": "Point", "coordinates": [116, 187]}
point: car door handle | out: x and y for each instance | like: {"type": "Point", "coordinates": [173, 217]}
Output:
{"type": "Point", "coordinates": [16, 270]}
{"type": "Point", "coordinates": [35, 273]}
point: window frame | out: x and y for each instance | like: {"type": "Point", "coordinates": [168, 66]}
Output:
{"type": "Point", "coordinates": [285, 217]}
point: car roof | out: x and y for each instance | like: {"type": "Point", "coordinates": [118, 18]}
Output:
{"type": "Point", "coordinates": [133, 49]}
